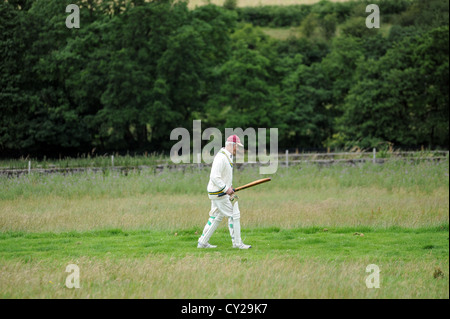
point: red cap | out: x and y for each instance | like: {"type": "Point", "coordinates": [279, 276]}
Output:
{"type": "Point", "coordinates": [234, 139]}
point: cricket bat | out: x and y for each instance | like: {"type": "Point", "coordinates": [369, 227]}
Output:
{"type": "Point", "coordinates": [257, 182]}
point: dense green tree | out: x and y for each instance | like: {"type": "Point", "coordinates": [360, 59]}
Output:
{"type": "Point", "coordinates": [246, 99]}
{"type": "Point", "coordinates": [329, 24]}
{"type": "Point", "coordinates": [309, 25]}
{"type": "Point", "coordinates": [340, 64]}
{"type": "Point", "coordinates": [431, 59]}
{"type": "Point", "coordinates": [426, 14]}
{"type": "Point", "coordinates": [312, 50]}
{"type": "Point", "coordinates": [356, 27]}
{"type": "Point", "coordinates": [17, 95]}
{"type": "Point", "coordinates": [403, 97]}
{"type": "Point", "coordinates": [306, 99]}
{"type": "Point", "coordinates": [137, 69]}
{"type": "Point", "coordinates": [132, 71]}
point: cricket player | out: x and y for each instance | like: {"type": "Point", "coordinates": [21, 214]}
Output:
{"type": "Point", "coordinates": [226, 205]}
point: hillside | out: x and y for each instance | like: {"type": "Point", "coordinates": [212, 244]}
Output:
{"type": "Point", "coordinates": [256, 3]}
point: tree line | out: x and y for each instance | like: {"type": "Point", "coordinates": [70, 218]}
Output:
{"type": "Point", "coordinates": [136, 69]}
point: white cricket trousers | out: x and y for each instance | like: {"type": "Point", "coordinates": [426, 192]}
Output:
{"type": "Point", "coordinates": [220, 208]}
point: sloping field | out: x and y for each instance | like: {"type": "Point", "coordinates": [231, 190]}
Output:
{"type": "Point", "coordinates": [255, 3]}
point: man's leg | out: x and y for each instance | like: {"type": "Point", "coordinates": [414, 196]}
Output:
{"type": "Point", "coordinates": [235, 229]}
{"type": "Point", "coordinates": [213, 222]}
{"type": "Point", "coordinates": [234, 221]}
{"type": "Point", "coordinates": [231, 229]}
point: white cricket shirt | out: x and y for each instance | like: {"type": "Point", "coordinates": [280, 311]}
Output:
{"type": "Point", "coordinates": [221, 177]}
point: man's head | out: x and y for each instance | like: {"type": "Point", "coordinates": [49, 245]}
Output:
{"type": "Point", "coordinates": [232, 143]}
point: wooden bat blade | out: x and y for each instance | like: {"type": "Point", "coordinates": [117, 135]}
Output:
{"type": "Point", "coordinates": [257, 182]}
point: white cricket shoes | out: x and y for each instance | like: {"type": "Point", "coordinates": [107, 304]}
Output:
{"type": "Point", "coordinates": [242, 246]}
{"type": "Point", "coordinates": [207, 245]}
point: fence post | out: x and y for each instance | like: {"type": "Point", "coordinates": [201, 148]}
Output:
{"type": "Point", "coordinates": [287, 158]}
{"type": "Point", "coordinates": [374, 155]}
{"type": "Point", "coordinates": [112, 161]}
{"type": "Point", "coordinates": [29, 167]}
{"type": "Point", "coordinates": [199, 159]}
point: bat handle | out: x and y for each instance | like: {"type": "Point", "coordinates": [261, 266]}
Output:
{"type": "Point", "coordinates": [222, 194]}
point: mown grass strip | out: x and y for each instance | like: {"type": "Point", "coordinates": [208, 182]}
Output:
{"type": "Point", "coordinates": [312, 242]}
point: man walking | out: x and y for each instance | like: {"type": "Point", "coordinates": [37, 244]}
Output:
{"type": "Point", "coordinates": [223, 201]}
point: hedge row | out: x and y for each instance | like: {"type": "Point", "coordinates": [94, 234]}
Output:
{"type": "Point", "coordinates": [293, 15]}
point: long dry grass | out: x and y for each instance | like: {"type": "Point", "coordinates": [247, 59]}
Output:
{"type": "Point", "coordinates": [171, 277]}
{"type": "Point", "coordinates": [285, 209]}
{"type": "Point", "coordinates": [394, 194]}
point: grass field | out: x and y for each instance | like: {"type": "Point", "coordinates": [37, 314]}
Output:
{"type": "Point", "coordinates": [256, 3]}
{"type": "Point", "coordinates": [296, 32]}
{"type": "Point", "coordinates": [313, 229]}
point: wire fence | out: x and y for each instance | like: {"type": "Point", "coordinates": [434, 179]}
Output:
{"type": "Point", "coordinates": [126, 164]}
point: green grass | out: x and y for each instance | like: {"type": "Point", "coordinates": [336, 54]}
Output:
{"type": "Point", "coordinates": [134, 235]}
{"type": "Point", "coordinates": [281, 33]}
{"type": "Point", "coordinates": [296, 263]}
{"type": "Point", "coordinates": [312, 242]}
